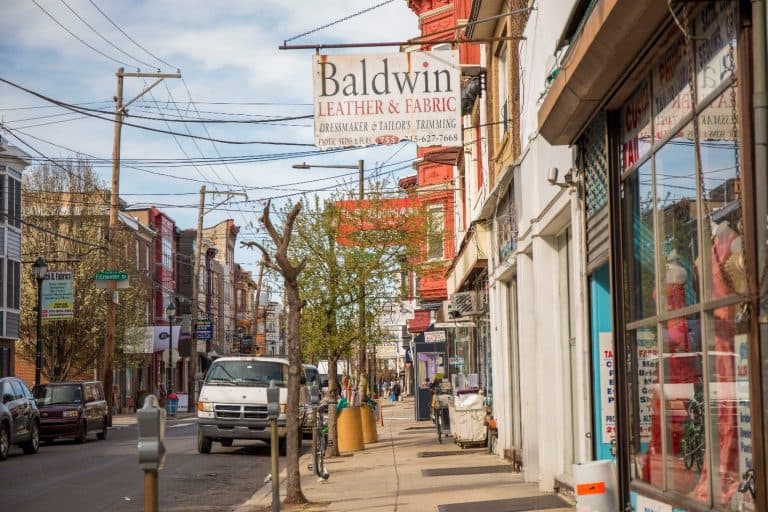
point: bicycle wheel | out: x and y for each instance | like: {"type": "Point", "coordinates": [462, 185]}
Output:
{"type": "Point", "coordinates": [322, 444]}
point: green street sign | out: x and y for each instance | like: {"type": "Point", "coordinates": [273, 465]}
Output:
{"type": "Point", "coordinates": [110, 275]}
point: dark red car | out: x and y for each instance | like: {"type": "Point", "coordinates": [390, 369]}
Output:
{"type": "Point", "coordinates": [71, 409]}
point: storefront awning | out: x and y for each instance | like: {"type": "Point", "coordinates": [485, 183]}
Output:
{"type": "Point", "coordinates": [420, 322]}
{"type": "Point", "coordinates": [614, 34]}
{"type": "Point", "coordinates": [472, 255]}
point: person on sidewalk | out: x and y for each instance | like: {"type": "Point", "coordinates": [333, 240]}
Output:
{"type": "Point", "coordinates": [396, 391]}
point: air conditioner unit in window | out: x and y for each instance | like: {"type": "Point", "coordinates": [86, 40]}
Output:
{"type": "Point", "coordinates": [466, 303]}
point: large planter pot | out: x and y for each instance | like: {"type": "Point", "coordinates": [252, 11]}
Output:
{"type": "Point", "coordinates": [369, 425]}
{"type": "Point", "coordinates": [349, 426]}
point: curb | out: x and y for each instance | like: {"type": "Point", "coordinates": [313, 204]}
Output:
{"type": "Point", "coordinates": [262, 497]}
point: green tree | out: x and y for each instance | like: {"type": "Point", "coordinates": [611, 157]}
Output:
{"type": "Point", "coordinates": [65, 221]}
{"type": "Point", "coordinates": [351, 247]}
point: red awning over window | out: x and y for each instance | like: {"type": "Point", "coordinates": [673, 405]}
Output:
{"type": "Point", "coordinates": [420, 322]}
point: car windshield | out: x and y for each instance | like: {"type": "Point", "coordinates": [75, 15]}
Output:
{"type": "Point", "coordinates": [52, 395]}
{"type": "Point", "coordinates": [247, 373]}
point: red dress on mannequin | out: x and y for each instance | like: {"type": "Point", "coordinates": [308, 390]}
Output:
{"type": "Point", "coordinates": [723, 370]}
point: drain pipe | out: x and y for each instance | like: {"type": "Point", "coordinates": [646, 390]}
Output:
{"type": "Point", "coordinates": [760, 118]}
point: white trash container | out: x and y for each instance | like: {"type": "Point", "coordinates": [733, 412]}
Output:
{"type": "Point", "coordinates": [467, 425]}
{"type": "Point", "coordinates": [595, 486]}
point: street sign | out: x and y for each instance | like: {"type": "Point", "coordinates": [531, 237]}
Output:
{"type": "Point", "coordinates": [204, 330]}
{"type": "Point", "coordinates": [110, 275]}
{"type": "Point", "coordinates": [456, 360]}
{"type": "Point", "coordinates": [271, 336]}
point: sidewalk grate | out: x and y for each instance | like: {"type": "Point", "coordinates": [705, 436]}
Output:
{"type": "Point", "coordinates": [545, 502]}
{"type": "Point", "coordinates": [468, 470]}
{"type": "Point", "coordinates": [445, 453]}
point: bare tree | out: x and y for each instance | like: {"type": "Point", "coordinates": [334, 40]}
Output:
{"type": "Point", "coordinates": [281, 263]}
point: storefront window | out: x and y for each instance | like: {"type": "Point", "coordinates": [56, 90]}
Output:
{"type": "Point", "coordinates": [640, 264]}
{"type": "Point", "coordinates": [715, 26]}
{"type": "Point", "coordinates": [671, 91]}
{"type": "Point", "coordinates": [683, 402]}
{"type": "Point", "coordinates": [682, 211]}
{"type": "Point", "coordinates": [646, 433]}
{"type": "Point", "coordinates": [635, 125]}
{"type": "Point", "coordinates": [677, 209]}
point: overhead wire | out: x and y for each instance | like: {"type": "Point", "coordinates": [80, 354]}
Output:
{"type": "Point", "coordinates": [148, 128]}
{"type": "Point", "coordinates": [130, 38]}
{"type": "Point", "coordinates": [52, 17]}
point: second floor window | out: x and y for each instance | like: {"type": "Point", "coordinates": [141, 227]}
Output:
{"type": "Point", "coordinates": [167, 253]}
{"type": "Point", "coordinates": [435, 229]}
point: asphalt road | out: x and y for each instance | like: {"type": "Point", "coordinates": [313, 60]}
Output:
{"type": "Point", "coordinates": [105, 475]}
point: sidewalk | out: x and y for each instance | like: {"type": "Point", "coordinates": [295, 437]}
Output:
{"type": "Point", "coordinates": [408, 471]}
{"type": "Point", "coordinates": [122, 420]}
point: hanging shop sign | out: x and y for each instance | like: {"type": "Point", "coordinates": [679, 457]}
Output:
{"type": "Point", "coordinates": [434, 336]}
{"type": "Point", "coordinates": [360, 100]}
{"type": "Point", "coordinates": [607, 387]}
{"type": "Point", "coordinates": [57, 298]}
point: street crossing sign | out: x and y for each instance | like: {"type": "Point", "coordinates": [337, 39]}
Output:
{"type": "Point", "coordinates": [110, 275]}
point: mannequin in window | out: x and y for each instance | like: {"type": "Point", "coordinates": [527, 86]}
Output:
{"type": "Point", "coordinates": [728, 277]}
{"type": "Point", "coordinates": [678, 334]}
{"type": "Point", "coordinates": [677, 369]}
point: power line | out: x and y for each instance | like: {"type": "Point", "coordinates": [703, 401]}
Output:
{"type": "Point", "coordinates": [130, 38]}
{"type": "Point", "coordinates": [78, 38]}
{"type": "Point", "coordinates": [113, 45]}
{"type": "Point", "coordinates": [156, 130]}
{"type": "Point", "coordinates": [340, 20]}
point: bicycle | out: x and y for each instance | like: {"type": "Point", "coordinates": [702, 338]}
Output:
{"type": "Point", "coordinates": [440, 414]}
{"type": "Point", "coordinates": [320, 441]}
{"type": "Point", "coordinates": [692, 441]}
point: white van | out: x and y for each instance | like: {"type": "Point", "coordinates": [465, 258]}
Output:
{"type": "Point", "coordinates": [233, 401]}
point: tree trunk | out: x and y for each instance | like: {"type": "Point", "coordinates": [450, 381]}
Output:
{"type": "Point", "coordinates": [293, 481]}
{"type": "Point", "coordinates": [333, 391]}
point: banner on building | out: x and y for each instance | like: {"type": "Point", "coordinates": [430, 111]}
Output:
{"type": "Point", "coordinates": [360, 100]}
{"type": "Point", "coordinates": [146, 340]}
{"type": "Point", "coordinates": [378, 221]}
{"type": "Point", "coordinates": [57, 299]}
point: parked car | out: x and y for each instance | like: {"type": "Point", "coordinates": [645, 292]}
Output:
{"type": "Point", "coordinates": [19, 417]}
{"type": "Point", "coordinates": [72, 409]}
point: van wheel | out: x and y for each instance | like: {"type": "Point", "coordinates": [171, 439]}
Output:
{"type": "Point", "coordinates": [226, 442]}
{"type": "Point", "coordinates": [103, 434]}
{"type": "Point", "coordinates": [282, 446]}
{"type": "Point", "coordinates": [203, 443]}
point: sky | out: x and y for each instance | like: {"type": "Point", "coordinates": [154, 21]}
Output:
{"type": "Point", "coordinates": [227, 53]}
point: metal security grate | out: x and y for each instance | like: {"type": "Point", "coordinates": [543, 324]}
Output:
{"type": "Point", "coordinates": [595, 164]}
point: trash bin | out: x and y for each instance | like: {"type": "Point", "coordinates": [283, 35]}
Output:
{"type": "Point", "coordinates": [172, 404]}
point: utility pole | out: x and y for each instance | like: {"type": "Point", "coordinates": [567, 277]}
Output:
{"type": "Point", "coordinates": [195, 305]}
{"type": "Point", "coordinates": [198, 255]}
{"type": "Point", "coordinates": [258, 304]}
{"type": "Point", "coordinates": [363, 361]}
{"type": "Point", "coordinates": [114, 203]}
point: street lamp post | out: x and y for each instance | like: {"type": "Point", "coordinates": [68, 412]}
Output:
{"type": "Point", "coordinates": [361, 195]}
{"type": "Point", "coordinates": [170, 312]}
{"type": "Point", "coordinates": [40, 268]}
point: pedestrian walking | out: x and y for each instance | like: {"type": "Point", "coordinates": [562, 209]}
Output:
{"type": "Point", "coordinates": [396, 391]}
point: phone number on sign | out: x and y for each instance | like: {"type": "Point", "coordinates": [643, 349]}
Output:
{"type": "Point", "coordinates": [434, 138]}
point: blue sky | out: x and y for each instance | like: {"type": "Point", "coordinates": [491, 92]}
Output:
{"type": "Point", "coordinates": [227, 52]}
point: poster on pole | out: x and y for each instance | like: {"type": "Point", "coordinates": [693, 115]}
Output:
{"type": "Point", "coordinates": [57, 299]}
{"type": "Point", "coordinates": [363, 99]}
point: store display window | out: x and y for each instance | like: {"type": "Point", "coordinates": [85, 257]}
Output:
{"type": "Point", "coordinates": [685, 278]}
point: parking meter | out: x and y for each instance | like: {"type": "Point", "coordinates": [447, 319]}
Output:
{"type": "Point", "coordinates": [151, 422]}
{"type": "Point", "coordinates": [273, 401]}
